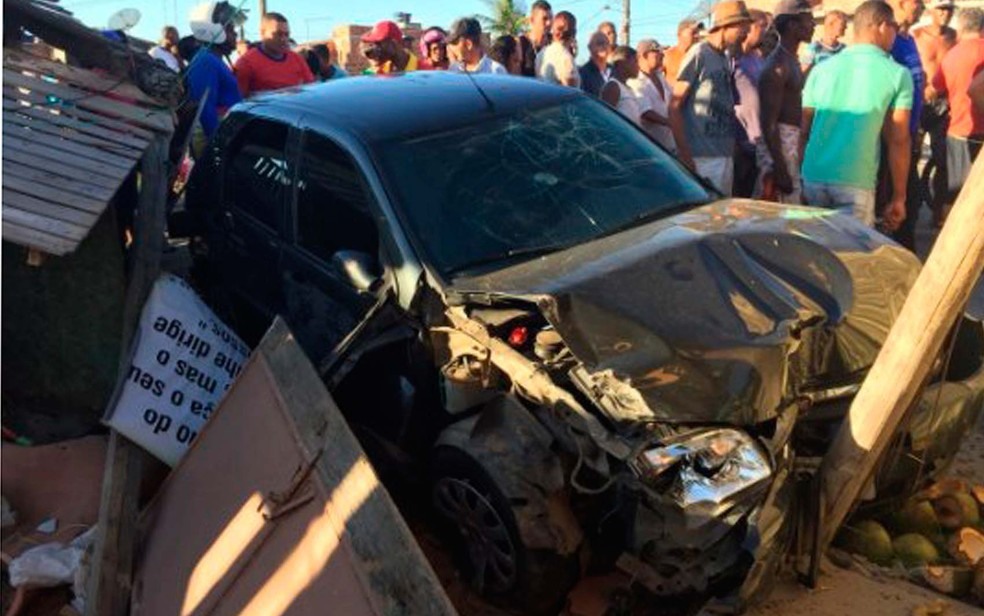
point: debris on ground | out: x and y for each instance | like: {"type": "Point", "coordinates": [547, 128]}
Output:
{"type": "Point", "coordinates": [50, 564]}
{"type": "Point", "coordinates": [935, 539]}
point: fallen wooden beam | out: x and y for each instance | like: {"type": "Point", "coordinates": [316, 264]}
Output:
{"type": "Point", "coordinates": [903, 366]}
{"type": "Point", "coordinates": [108, 592]}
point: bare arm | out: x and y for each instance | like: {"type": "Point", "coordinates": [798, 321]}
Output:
{"type": "Point", "coordinates": [806, 124]}
{"type": "Point", "coordinates": [772, 89]}
{"type": "Point", "coordinates": [899, 145]}
{"type": "Point", "coordinates": [976, 92]}
{"type": "Point", "coordinates": [610, 94]}
{"type": "Point", "coordinates": [571, 78]}
{"type": "Point", "coordinates": [680, 92]}
{"type": "Point", "coordinates": [651, 116]}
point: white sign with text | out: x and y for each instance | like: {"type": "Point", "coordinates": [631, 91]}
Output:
{"type": "Point", "coordinates": [183, 361]}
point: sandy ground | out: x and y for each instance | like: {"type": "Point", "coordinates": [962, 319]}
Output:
{"type": "Point", "coordinates": [843, 592]}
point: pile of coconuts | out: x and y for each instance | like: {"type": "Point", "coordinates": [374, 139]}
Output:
{"type": "Point", "coordinates": [936, 536]}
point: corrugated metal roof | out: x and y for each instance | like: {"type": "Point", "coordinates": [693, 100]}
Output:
{"type": "Point", "coordinates": [71, 136]}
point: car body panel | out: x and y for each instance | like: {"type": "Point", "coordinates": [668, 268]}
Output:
{"type": "Point", "coordinates": [720, 314]}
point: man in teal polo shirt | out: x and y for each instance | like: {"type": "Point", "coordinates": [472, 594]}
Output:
{"type": "Point", "coordinates": [849, 103]}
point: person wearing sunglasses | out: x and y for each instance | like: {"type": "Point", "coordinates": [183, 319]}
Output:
{"type": "Point", "coordinates": [383, 47]}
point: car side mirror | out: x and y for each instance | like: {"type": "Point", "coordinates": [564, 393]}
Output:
{"type": "Point", "coordinates": [361, 270]}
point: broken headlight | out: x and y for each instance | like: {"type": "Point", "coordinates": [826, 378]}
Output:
{"type": "Point", "coordinates": [707, 471]}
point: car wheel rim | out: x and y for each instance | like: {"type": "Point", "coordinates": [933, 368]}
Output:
{"type": "Point", "coordinates": [490, 548]}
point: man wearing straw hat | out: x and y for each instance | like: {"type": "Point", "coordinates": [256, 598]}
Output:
{"type": "Point", "coordinates": [702, 114]}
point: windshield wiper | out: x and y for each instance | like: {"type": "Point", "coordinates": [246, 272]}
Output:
{"type": "Point", "coordinates": [646, 217]}
{"type": "Point", "coordinates": [513, 255]}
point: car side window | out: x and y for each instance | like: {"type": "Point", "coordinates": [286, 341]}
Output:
{"type": "Point", "coordinates": [332, 202]}
{"type": "Point", "coordinates": [257, 171]}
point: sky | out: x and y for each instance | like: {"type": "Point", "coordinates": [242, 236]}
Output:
{"type": "Point", "coordinates": [315, 20]}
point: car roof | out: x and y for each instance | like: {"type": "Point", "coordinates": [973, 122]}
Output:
{"type": "Point", "coordinates": [386, 107]}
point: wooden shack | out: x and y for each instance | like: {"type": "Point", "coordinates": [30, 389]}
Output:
{"type": "Point", "coordinates": [78, 132]}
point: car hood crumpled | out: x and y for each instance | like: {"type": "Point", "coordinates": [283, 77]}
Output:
{"type": "Point", "coordinates": [722, 313]}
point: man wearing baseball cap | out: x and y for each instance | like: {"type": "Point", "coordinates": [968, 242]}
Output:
{"type": "Point", "coordinates": [781, 97]}
{"type": "Point", "coordinates": [654, 93]}
{"type": "Point", "coordinates": [933, 42]}
{"type": "Point", "coordinates": [468, 51]}
{"type": "Point", "coordinates": [383, 47]}
{"type": "Point", "coordinates": [702, 114]}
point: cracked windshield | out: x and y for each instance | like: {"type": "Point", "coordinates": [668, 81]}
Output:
{"type": "Point", "coordinates": [532, 182]}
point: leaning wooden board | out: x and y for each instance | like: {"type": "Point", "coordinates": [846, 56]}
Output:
{"type": "Point", "coordinates": [276, 510]}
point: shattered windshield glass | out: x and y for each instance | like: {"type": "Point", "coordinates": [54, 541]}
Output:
{"type": "Point", "coordinates": [532, 182]}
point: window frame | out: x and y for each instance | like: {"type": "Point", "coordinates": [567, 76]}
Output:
{"type": "Point", "coordinates": [305, 133]}
{"type": "Point", "coordinates": [233, 146]}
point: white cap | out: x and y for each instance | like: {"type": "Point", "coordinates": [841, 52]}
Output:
{"type": "Point", "coordinates": [203, 27]}
{"type": "Point", "coordinates": [208, 21]}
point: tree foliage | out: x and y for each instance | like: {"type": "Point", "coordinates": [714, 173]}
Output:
{"type": "Point", "coordinates": [506, 17]}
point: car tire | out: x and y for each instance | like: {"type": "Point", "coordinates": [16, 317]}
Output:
{"type": "Point", "coordinates": [481, 528]}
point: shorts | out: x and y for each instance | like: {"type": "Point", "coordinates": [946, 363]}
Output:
{"type": "Point", "coordinates": [848, 200]}
{"type": "Point", "coordinates": [789, 141]}
{"type": "Point", "coordinates": [718, 170]}
{"type": "Point", "coordinates": [960, 155]}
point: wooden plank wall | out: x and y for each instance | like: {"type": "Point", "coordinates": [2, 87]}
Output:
{"type": "Point", "coordinates": [71, 137]}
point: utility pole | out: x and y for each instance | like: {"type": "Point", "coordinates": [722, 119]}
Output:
{"type": "Point", "coordinates": [262, 8]}
{"type": "Point", "coordinates": [625, 21]}
{"type": "Point", "coordinates": [916, 339]}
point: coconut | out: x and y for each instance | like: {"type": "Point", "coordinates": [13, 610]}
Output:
{"type": "Point", "coordinates": [967, 546]}
{"type": "Point", "coordinates": [949, 511]}
{"type": "Point", "coordinates": [971, 514]}
{"type": "Point", "coordinates": [945, 486]}
{"type": "Point", "coordinates": [978, 492]}
{"type": "Point", "coordinates": [917, 516]}
{"type": "Point", "coordinates": [947, 579]}
{"type": "Point", "coordinates": [914, 550]}
{"type": "Point", "coordinates": [869, 539]}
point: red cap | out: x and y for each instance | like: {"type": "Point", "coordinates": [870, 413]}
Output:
{"type": "Point", "coordinates": [382, 31]}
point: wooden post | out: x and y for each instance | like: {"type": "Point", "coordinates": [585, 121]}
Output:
{"type": "Point", "coordinates": [109, 584]}
{"type": "Point", "coordinates": [903, 365]}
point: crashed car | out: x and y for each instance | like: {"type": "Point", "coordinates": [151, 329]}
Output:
{"type": "Point", "coordinates": [598, 359]}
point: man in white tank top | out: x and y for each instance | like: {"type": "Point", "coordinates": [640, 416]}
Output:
{"type": "Point", "coordinates": [654, 93]}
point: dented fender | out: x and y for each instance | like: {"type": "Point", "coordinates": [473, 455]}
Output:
{"type": "Point", "coordinates": [515, 450]}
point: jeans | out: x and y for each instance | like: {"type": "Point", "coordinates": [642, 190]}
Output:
{"type": "Point", "coordinates": [849, 200]}
{"type": "Point", "coordinates": [718, 170]}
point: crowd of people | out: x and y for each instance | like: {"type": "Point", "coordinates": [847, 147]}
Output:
{"type": "Point", "coordinates": [753, 102]}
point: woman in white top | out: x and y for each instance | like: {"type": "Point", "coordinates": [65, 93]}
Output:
{"type": "Point", "coordinates": [616, 93]}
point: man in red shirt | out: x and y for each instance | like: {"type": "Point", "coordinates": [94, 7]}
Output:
{"type": "Point", "coordinates": [271, 65]}
{"type": "Point", "coordinates": [958, 69]}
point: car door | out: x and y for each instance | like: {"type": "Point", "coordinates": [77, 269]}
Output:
{"type": "Point", "coordinates": [331, 216]}
{"type": "Point", "coordinates": [256, 182]}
